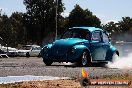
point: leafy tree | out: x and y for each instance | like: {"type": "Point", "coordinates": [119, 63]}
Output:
{"type": "Point", "coordinates": [125, 24]}
{"type": "Point", "coordinates": [122, 26]}
{"type": "Point", "coordinates": [40, 18]}
{"type": "Point", "coordinates": [121, 30]}
{"type": "Point", "coordinates": [112, 27]}
{"type": "Point", "coordinates": [5, 29]}
{"type": "Point", "coordinates": [80, 17]}
{"type": "Point", "coordinates": [12, 29]}
{"type": "Point", "coordinates": [18, 29]}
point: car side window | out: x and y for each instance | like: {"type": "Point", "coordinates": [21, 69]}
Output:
{"type": "Point", "coordinates": [34, 48]}
{"type": "Point", "coordinates": [105, 38]}
{"type": "Point", "coordinates": [96, 36]}
{"type": "Point", "coordinates": [38, 48]}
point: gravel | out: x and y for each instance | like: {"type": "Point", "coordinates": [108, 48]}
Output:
{"type": "Point", "coordinates": [20, 66]}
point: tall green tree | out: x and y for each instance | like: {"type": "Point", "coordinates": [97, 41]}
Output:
{"type": "Point", "coordinates": [18, 28]}
{"type": "Point", "coordinates": [112, 27]}
{"type": "Point", "coordinates": [5, 29]}
{"type": "Point", "coordinates": [121, 30]}
{"type": "Point", "coordinates": [80, 17]}
{"type": "Point", "coordinates": [12, 29]}
{"type": "Point", "coordinates": [125, 24]}
{"type": "Point", "coordinates": [40, 17]}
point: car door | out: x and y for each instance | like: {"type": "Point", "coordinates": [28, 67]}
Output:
{"type": "Point", "coordinates": [106, 43]}
{"type": "Point", "coordinates": [98, 46]}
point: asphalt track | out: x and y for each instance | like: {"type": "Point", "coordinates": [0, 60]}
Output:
{"type": "Point", "coordinates": [20, 66]}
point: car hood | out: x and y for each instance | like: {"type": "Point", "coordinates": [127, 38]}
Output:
{"type": "Point", "coordinates": [62, 46]}
{"type": "Point", "coordinates": [69, 41]}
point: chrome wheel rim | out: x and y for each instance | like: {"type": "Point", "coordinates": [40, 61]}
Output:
{"type": "Point", "coordinates": [84, 59]}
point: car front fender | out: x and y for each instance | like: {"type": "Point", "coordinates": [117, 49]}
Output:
{"type": "Point", "coordinates": [80, 49]}
{"type": "Point", "coordinates": [46, 46]}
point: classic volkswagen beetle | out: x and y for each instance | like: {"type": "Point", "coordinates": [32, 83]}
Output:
{"type": "Point", "coordinates": [84, 45]}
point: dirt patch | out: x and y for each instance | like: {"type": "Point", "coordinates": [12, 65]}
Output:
{"type": "Point", "coordinates": [44, 84]}
{"type": "Point", "coordinates": [54, 84]}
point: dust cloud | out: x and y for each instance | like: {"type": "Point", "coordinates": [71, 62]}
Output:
{"type": "Point", "coordinates": [122, 62]}
{"type": "Point", "coordinates": [123, 42]}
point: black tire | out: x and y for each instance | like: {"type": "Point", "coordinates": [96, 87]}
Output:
{"type": "Point", "coordinates": [48, 63]}
{"type": "Point", "coordinates": [85, 59]}
{"type": "Point", "coordinates": [27, 55]}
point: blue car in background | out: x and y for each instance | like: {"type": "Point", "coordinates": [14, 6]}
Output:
{"type": "Point", "coordinates": [84, 45]}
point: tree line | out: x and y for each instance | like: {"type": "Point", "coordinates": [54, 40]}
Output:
{"type": "Point", "coordinates": [38, 24]}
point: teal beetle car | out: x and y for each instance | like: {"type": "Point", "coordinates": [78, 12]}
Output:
{"type": "Point", "coordinates": [84, 45]}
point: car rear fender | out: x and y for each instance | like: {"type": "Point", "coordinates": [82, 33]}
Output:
{"type": "Point", "coordinates": [110, 53]}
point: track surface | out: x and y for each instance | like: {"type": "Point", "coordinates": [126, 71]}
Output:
{"type": "Point", "coordinates": [19, 66]}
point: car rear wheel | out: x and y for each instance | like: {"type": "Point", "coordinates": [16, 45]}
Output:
{"type": "Point", "coordinates": [48, 63]}
{"type": "Point", "coordinates": [115, 57]}
{"type": "Point", "coordinates": [85, 60]}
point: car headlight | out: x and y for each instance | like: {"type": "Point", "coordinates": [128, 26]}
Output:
{"type": "Point", "coordinates": [45, 49]}
{"type": "Point", "coordinates": [73, 50]}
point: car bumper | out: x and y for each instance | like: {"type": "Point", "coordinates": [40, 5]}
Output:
{"type": "Point", "coordinates": [61, 58]}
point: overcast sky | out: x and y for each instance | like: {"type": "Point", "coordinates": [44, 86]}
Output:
{"type": "Point", "coordinates": [106, 10]}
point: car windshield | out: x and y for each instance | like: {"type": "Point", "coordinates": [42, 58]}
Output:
{"type": "Point", "coordinates": [76, 33]}
{"type": "Point", "coordinates": [26, 47]}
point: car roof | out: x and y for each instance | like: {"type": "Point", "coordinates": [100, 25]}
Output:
{"type": "Point", "coordinates": [91, 29]}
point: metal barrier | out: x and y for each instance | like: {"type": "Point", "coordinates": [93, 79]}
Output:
{"type": "Point", "coordinates": [4, 56]}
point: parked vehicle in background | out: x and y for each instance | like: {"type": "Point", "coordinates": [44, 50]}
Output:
{"type": "Point", "coordinates": [3, 54]}
{"type": "Point", "coordinates": [29, 50]}
{"type": "Point", "coordinates": [84, 45]}
{"type": "Point", "coordinates": [10, 51]}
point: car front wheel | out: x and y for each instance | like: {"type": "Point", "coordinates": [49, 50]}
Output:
{"type": "Point", "coordinates": [85, 60]}
{"type": "Point", "coordinates": [48, 63]}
